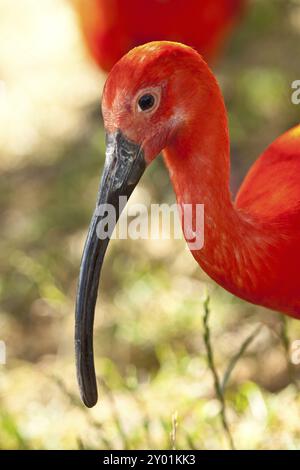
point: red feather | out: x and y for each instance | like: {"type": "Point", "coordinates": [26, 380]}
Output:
{"type": "Point", "coordinates": [251, 245]}
{"type": "Point", "coordinates": [113, 27]}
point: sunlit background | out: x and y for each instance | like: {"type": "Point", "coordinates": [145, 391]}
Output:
{"type": "Point", "coordinates": [148, 335]}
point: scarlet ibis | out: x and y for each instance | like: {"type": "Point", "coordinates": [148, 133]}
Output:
{"type": "Point", "coordinates": [162, 96]}
{"type": "Point", "coordinates": [113, 27]}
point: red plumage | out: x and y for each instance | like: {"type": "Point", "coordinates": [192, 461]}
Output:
{"type": "Point", "coordinates": [113, 27]}
{"type": "Point", "coordinates": [252, 244]}
{"type": "Point", "coordinates": [162, 97]}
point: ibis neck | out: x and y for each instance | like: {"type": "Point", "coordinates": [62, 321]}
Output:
{"type": "Point", "coordinates": [198, 160]}
{"type": "Point", "coordinates": [199, 166]}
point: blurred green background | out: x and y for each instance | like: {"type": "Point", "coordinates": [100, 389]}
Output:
{"type": "Point", "coordinates": [148, 334]}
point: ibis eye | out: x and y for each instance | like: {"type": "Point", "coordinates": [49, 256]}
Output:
{"type": "Point", "coordinates": [146, 102]}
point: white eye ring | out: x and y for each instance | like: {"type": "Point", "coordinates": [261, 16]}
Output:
{"type": "Point", "coordinates": [148, 100]}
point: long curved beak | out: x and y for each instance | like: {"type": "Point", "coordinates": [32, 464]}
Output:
{"type": "Point", "coordinates": [124, 166]}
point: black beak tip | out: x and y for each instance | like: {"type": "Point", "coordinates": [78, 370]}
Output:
{"type": "Point", "coordinates": [86, 377]}
{"type": "Point", "coordinates": [89, 400]}
{"type": "Point", "coordinates": [89, 395]}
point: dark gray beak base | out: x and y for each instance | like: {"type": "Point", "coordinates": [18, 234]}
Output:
{"type": "Point", "coordinates": [124, 166]}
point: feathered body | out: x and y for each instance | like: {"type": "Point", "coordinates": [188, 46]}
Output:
{"type": "Point", "coordinates": [113, 27]}
{"type": "Point", "coordinates": [251, 244]}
